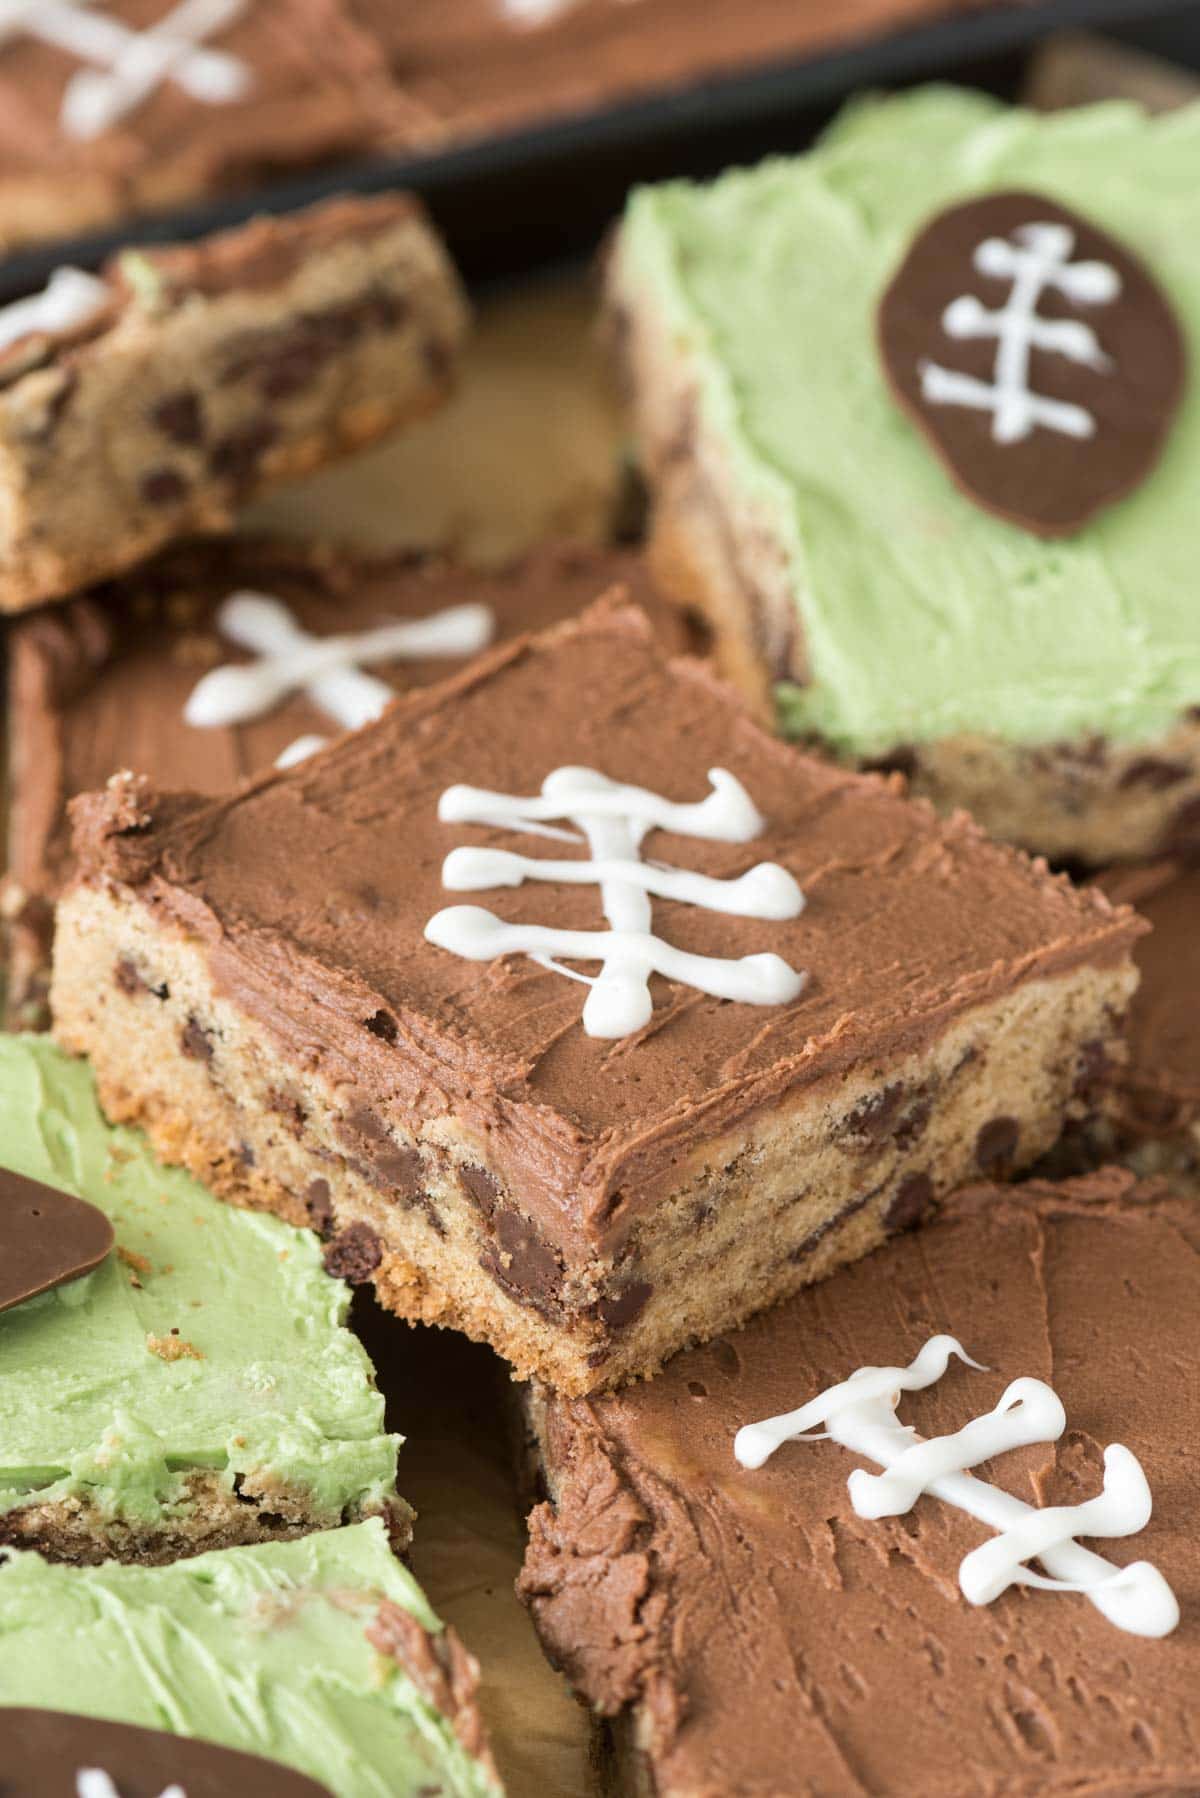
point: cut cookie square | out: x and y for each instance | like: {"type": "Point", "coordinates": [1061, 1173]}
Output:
{"type": "Point", "coordinates": [322, 1656]}
{"type": "Point", "coordinates": [757, 1630]}
{"type": "Point", "coordinates": [104, 682]}
{"type": "Point", "coordinates": [295, 84]}
{"type": "Point", "coordinates": [153, 400]}
{"type": "Point", "coordinates": [1047, 683]}
{"type": "Point", "coordinates": [585, 1176]}
{"type": "Point", "coordinates": [200, 1388]}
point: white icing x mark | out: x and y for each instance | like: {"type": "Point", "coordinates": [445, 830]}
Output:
{"type": "Point", "coordinates": [70, 298]}
{"type": "Point", "coordinates": [130, 65]}
{"type": "Point", "coordinates": [1038, 260]}
{"type": "Point", "coordinates": [860, 1414]}
{"type": "Point", "coordinates": [94, 1782]}
{"type": "Point", "coordinates": [613, 819]}
{"type": "Point", "coordinates": [327, 669]}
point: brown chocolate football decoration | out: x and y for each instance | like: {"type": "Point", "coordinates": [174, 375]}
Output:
{"type": "Point", "coordinates": [1036, 354]}
{"type": "Point", "coordinates": [43, 1752]}
{"type": "Point", "coordinates": [46, 1238]}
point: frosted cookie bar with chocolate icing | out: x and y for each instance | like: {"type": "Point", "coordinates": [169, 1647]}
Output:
{"type": "Point", "coordinates": [191, 1382]}
{"type": "Point", "coordinates": [805, 1620]}
{"type": "Point", "coordinates": [151, 401]}
{"type": "Point", "coordinates": [114, 678]}
{"type": "Point", "coordinates": [322, 1656]}
{"type": "Point", "coordinates": [920, 420]}
{"type": "Point", "coordinates": [798, 1009]}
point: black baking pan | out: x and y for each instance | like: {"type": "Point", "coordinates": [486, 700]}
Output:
{"type": "Point", "coordinates": [508, 204]}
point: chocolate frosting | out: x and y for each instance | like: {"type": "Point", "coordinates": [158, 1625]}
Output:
{"type": "Point", "coordinates": [1160, 1085]}
{"type": "Point", "coordinates": [320, 90]}
{"type": "Point", "coordinates": [312, 890]}
{"type": "Point", "coordinates": [100, 684]}
{"type": "Point", "coordinates": [45, 1750]}
{"type": "Point", "coordinates": [777, 1642]}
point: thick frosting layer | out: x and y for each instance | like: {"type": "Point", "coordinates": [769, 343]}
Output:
{"type": "Point", "coordinates": [764, 1627]}
{"type": "Point", "coordinates": [101, 684]}
{"type": "Point", "coordinates": [924, 616]}
{"type": "Point", "coordinates": [312, 889]}
{"type": "Point", "coordinates": [212, 1338]}
{"type": "Point", "coordinates": [321, 1653]}
{"type": "Point", "coordinates": [1161, 1083]}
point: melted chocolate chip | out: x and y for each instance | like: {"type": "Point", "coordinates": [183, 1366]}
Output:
{"type": "Point", "coordinates": [1155, 772]}
{"type": "Point", "coordinates": [383, 1025]}
{"type": "Point", "coordinates": [194, 1040]}
{"type": "Point", "coordinates": [524, 1264]}
{"type": "Point", "coordinates": [481, 1187]}
{"type": "Point", "coordinates": [623, 1308]}
{"type": "Point", "coordinates": [127, 977]}
{"type": "Point", "coordinates": [390, 1166]}
{"type": "Point", "coordinates": [163, 486]}
{"type": "Point", "coordinates": [318, 1202]}
{"type": "Point", "coordinates": [912, 1200]}
{"type": "Point", "coordinates": [354, 1255]}
{"type": "Point", "coordinates": [236, 456]}
{"type": "Point", "coordinates": [179, 417]}
{"type": "Point", "coordinates": [47, 1238]}
{"type": "Point", "coordinates": [1092, 1069]}
{"type": "Point", "coordinates": [996, 1145]}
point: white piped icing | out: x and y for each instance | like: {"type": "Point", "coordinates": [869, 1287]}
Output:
{"type": "Point", "coordinates": [131, 65]}
{"type": "Point", "coordinates": [94, 1782]}
{"type": "Point", "coordinates": [328, 669]}
{"type": "Point", "coordinates": [613, 820]}
{"type": "Point", "coordinates": [860, 1414]}
{"type": "Point", "coordinates": [1037, 261]}
{"type": "Point", "coordinates": [70, 298]}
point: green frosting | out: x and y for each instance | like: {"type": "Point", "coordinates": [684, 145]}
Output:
{"type": "Point", "coordinates": [262, 1649]}
{"type": "Point", "coordinates": [279, 1386]}
{"type": "Point", "coordinates": [924, 615]}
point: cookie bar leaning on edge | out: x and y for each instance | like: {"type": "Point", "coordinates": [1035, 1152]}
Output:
{"type": "Point", "coordinates": [741, 1622]}
{"type": "Point", "coordinates": [1005, 613]}
{"type": "Point", "coordinates": [321, 1655]}
{"type": "Point", "coordinates": [109, 680]}
{"type": "Point", "coordinates": [743, 1100]}
{"type": "Point", "coordinates": [153, 400]}
{"type": "Point", "coordinates": [200, 1387]}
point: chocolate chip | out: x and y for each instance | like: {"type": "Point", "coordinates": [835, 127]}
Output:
{"type": "Point", "coordinates": [179, 417]}
{"type": "Point", "coordinates": [127, 977]}
{"type": "Point", "coordinates": [1092, 1068]}
{"type": "Point", "coordinates": [1155, 772]}
{"type": "Point", "coordinates": [391, 1166]}
{"type": "Point", "coordinates": [383, 1025]}
{"type": "Point", "coordinates": [480, 1186]}
{"type": "Point", "coordinates": [354, 1255]}
{"type": "Point", "coordinates": [524, 1264]}
{"type": "Point", "coordinates": [195, 1040]}
{"type": "Point", "coordinates": [900, 760]}
{"type": "Point", "coordinates": [625, 1307]}
{"type": "Point", "coordinates": [236, 456]}
{"type": "Point", "coordinates": [874, 1115]}
{"type": "Point", "coordinates": [318, 1202]}
{"type": "Point", "coordinates": [911, 1201]}
{"type": "Point", "coordinates": [996, 1145]}
{"type": "Point", "coordinates": [163, 486]}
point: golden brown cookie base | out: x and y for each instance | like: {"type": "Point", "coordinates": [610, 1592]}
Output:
{"type": "Point", "coordinates": [784, 1198]}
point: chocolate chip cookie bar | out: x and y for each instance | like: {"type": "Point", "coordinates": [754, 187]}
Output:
{"type": "Point", "coordinates": [107, 681]}
{"type": "Point", "coordinates": [152, 401]}
{"type": "Point", "coordinates": [815, 1007]}
{"type": "Point", "coordinates": [917, 415]}
{"type": "Point", "coordinates": [322, 1656]}
{"type": "Point", "coordinates": [198, 1387]}
{"type": "Point", "coordinates": [757, 1625]}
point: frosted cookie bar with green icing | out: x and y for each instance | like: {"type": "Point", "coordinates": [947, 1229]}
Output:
{"type": "Point", "coordinates": [924, 445]}
{"type": "Point", "coordinates": [321, 1654]}
{"type": "Point", "coordinates": [200, 1387]}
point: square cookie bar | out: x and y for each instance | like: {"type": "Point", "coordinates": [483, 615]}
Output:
{"type": "Point", "coordinates": [154, 400]}
{"type": "Point", "coordinates": [999, 606]}
{"type": "Point", "coordinates": [105, 682]}
{"type": "Point", "coordinates": [763, 1629]}
{"type": "Point", "coordinates": [850, 1009]}
{"type": "Point", "coordinates": [97, 123]}
{"type": "Point", "coordinates": [322, 1656]}
{"type": "Point", "coordinates": [200, 1387]}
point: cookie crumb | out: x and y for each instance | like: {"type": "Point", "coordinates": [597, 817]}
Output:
{"type": "Point", "coordinates": [173, 1348]}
